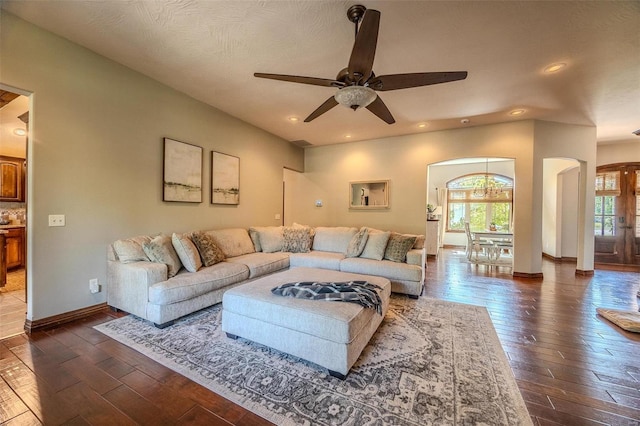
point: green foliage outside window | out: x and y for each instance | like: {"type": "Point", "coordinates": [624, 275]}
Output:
{"type": "Point", "coordinates": [468, 202]}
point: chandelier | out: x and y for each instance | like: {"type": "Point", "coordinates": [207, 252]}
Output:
{"type": "Point", "coordinates": [488, 188]}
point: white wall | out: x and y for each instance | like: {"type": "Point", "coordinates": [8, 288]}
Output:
{"type": "Point", "coordinates": [552, 204]}
{"type": "Point", "coordinates": [556, 140]}
{"type": "Point", "coordinates": [568, 182]}
{"type": "Point", "coordinates": [95, 155]}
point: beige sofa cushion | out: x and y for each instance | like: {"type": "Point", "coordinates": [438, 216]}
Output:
{"type": "Point", "coordinates": [232, 241]}
{"type": "Point", "coordinates": [334, 239]}
{"type": "Point", "coordinates": [188, 285]}
{"type": "Point", "coordinates": [271, 238]}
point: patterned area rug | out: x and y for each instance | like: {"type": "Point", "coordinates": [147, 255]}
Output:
{"type": "Point", "coordinates": [430, 362]}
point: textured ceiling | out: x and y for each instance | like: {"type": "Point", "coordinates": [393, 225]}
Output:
{"type": "Point", "coordinates": [210, 50]}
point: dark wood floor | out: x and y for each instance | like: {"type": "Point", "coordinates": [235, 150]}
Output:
{"type": "Point", "coordinates": [572, 367]}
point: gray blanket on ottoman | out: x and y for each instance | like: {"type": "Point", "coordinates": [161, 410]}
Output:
{"type": "Point", "coordinates": [360, 292]}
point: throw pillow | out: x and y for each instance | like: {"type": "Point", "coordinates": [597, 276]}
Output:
{"type": "Point", "coordinates": [130, 250]}
{"type": "Point", "coordinates": [187, 252]}
{"type": "Point", "coordinates": [419, 242]}
{"type": "Point", "coordinates": [398, 246]}
{"type": "Point", "coordinates": [255, 239]}
{"type": "Point", "coordinates": [357, 243]}
{"type": "Point", "coordinates": [209, 251]}
{"type": "Point", "coordinates": [296, 240]}
{"type": "Point", "coordinates": [376, 243]}
{"type": "Point", "coordinates": [160, 250]}
{"type": "Point", "coordinates": [232, 241]}
{"type": "Point", "coordinates": [271, 238]}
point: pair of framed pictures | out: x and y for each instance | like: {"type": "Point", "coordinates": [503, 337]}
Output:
{"type": "Point", "coordinates": [182, 174]}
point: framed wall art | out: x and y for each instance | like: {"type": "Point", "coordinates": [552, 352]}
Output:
{"type": "Point", "coordinates": [225, 179]}
{"type": "Point", "coordinates": [182, 173]}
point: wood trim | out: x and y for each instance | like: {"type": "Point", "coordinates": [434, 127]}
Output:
{"type": "Point", "coordinates": [617, 267]}
{"type": "Point", "coordinates": [534, 276]}
{"type": "Point", "coordinates": [584, 273]}
{"type": "Point", "coordinates": [560, 259]}
{"type": "Point", "coordinates": [44, 323]}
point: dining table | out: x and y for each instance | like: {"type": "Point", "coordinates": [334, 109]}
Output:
{"type": "Point", "coordinates": [501, 241]}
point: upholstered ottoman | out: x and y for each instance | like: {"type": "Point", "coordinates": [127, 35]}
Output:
{"type": "Point", "coordinates": [328, 333]}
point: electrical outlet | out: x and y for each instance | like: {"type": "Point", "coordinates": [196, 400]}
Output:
{"type": "Point", "coordinates": [94, 287]}
{"type": "Point", "coordinates": [277, 216]}
{"type": "Point", "coordinates": [56, 220]}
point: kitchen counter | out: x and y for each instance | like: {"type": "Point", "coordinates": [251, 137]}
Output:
{"type": "Point", "coordinates": [11, 226]}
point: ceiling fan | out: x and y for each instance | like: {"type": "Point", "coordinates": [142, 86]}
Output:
{"type": "Point", "coordinates": [357, 84]}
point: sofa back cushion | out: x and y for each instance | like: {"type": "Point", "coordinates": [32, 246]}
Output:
{"type": "Point", "coordinates": [269, 238]}
{"type": "Point", "coordinates": [232, 241]}
{"type": "Point", "coordinates": [335, 239]}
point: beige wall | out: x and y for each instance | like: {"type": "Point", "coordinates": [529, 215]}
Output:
{"type": "Point", "coordinates": [552, 202]}
{"type": "Point", "coordinates": [621, 152]}
{"type": "Point", "coordinates": [404, 160]}
{"type": "Point", "coordinates": [95, 155]}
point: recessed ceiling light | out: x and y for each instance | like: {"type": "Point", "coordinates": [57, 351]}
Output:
{"type": "Point", "coordinates": [517, 112]}
{"type": "Point", "coordinates": [19, 132]}
{"type": "Point", "coordinates": [293, 119]}
{"type": "Point", "coordinates": [347, 136]}
{"type": "Point", "coordinates": [555, 67]}
{"type": "Point", "coordinates": [423, 125]}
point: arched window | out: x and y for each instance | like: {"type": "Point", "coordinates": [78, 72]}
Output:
{"type": "Point", "coordinates": [485, 200]}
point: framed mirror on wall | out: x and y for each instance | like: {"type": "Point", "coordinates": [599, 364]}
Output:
{"type": "Point", "coordinates": [369, 194]}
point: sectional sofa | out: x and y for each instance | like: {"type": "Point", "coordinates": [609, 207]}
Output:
{"type": "Point", "coordinates": [162, 278]}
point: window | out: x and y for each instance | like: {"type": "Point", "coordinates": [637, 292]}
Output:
{"type": "Point", "coordinates": [482, 200]}
{"type": "Point", "coordinates": [607, 189]}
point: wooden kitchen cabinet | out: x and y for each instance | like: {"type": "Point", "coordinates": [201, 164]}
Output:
{"type": "Point", "coordinates": [15, 253]}
{"type": "Point", "coordinates": [12, 178]}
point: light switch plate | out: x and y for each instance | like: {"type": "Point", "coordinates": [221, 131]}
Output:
{"type": "Point", "coordinates": [56, 220]}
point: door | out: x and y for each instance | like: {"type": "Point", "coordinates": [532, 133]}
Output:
{"type": "Point", "coordinates": [617, 214]}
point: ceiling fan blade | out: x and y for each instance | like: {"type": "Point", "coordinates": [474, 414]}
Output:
{"type": "Point", "coordinates": [364, 48]}
{"type": "Point", "coordinates": [299, 79]}
{"type": "Point", "coordinates": [404, 81]}
{"type": "Point", "coordinates": [326, 106]}
{"type": "Point", "coordinates": [380, 109]}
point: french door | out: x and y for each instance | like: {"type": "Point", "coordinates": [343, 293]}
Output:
{"type": "Point", "coordinates": [617, 214]}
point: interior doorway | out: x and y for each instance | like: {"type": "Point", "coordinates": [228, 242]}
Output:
{"type": "Point", "coordinates": [14, 134]}
{"type": "Point", "coordinates": [617, 216]}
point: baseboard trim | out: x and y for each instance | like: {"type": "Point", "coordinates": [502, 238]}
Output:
{"type": "Point", "coordinates": [44, 323]}
{"type": "Point", "coordinates": [560, 259]}
{"type": "Point", "coordinates": [584, 273]}
{"type": "Point", "coordinates": [617, 267]}
{"type": "Point", "coordinates": [527, 275]}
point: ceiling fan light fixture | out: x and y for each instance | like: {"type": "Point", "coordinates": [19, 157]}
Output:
{"type": "Point", "coordinates": [355, 97]}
